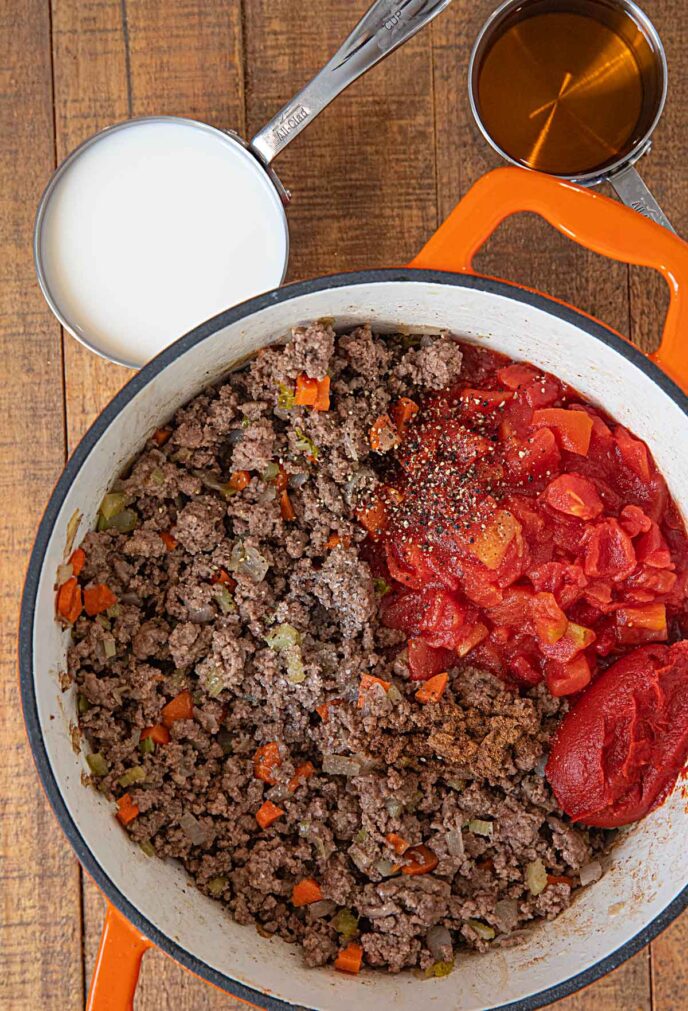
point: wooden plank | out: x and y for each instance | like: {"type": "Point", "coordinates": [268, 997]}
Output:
{"type": "Point", "coordinates": [40, 923]}
{"type": "Point", "coordinates": [527, 250]}
{"type": "Point", "coordinates": [115, 58]}
{"type": "Point", "coordinates": [363, 175]}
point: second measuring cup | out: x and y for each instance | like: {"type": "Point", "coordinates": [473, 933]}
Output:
{"type": "Point", "coordinates": [573, 88]}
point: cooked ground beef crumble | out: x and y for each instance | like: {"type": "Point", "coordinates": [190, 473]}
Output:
{"type": "Point", "coordinates": [275, 653]}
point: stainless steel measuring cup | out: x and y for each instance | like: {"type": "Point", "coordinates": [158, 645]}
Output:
{"type": "Point", "coordinates": [619, 171]}
{"type": "Point", "coordinates": [385, 27]}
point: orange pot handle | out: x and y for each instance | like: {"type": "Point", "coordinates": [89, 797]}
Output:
{"type": "Point", "coordinates": [592, 220]}
{"type": "Point", "coordinates": [118, 964]}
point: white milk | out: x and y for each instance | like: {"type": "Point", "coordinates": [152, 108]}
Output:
{"type": "Point", "coordinates": [155, 227]}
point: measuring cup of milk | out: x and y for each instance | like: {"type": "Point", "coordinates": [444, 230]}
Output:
{"type": "Point", "coordinates": [158, 223]}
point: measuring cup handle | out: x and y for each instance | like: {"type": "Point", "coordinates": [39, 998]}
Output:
{"type": "Point", "coordinates": [593, 221]}
{"type": "Point", "coordinates": [384, 28]}
{"type": "Point", "coordinates": [630, 187]}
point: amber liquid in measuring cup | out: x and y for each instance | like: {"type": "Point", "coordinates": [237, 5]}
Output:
{"type": "Point", "coordinates": [567, 88]}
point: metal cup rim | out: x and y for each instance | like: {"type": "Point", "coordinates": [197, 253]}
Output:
{"type": "Point", "coordinates": [639, 148]}
{"type": "Point", "coordinates": [70, 325]}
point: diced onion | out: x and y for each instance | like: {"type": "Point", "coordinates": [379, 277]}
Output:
{"type": "Point", "coordinates": [506, 910]}
{"type": "Point", "coordinates": [454, 838]}
{"type": "Point", "coordinates": [282, 637]}
{"type": "Point", "coordinates": [245, 560]}
{"type": "Point", "coordinates": [320, 909]}
{"type": "Point", "coordinates": [224, 599]}
{"type": "Point", "coordinates": [385, 867]}
{"type": "Point", "coordinates": [536, 877]}
{"type": "Point", "coordinates": [394, 807]}
{"type": "Point", "coordinates": [483, 930]}
{"type": "Point", "coordinates": [478, 826]}
{"type": "Point", "coordinates": [216, 886]}
{"type": "Point", "coordinates": [64, 572]}
{"type": "Point", "coordinates": [192, 828]}
{"type": "Point", "coordinates": [590, 872]}
{"type": "Point", "coordinates": [213, 681]}
{"type": "Point", "coordinates": [359, 858]}
{"type": "Point", "coordinates": [394, 695]}
{"type": "Point", "coordinates": [539, 767]}
{"type": "Point", "coordinates": [341, 765]}
{"type": "Point", "coordinates": [439, 943]}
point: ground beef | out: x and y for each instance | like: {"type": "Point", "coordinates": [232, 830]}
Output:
{"type": "Point", "coordinates": [269, 622]}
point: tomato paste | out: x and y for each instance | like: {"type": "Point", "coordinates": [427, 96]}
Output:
{"type": "Point", "coordinates": [618, 751]}
{"type": "Point", "coordinates": [522, 528]}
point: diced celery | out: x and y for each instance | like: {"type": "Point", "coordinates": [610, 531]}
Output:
{"type": "Point", "coordinates": [483, 930]}
{"type": "Point", "coordinates": [134, 775]}
{"type": "Point", "coordinates": [112, 504]}
{"type": "Point", "coordinates": [97, 763]}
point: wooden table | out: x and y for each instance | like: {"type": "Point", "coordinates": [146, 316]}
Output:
{"type": "Point", "coordinates": [372, 179]}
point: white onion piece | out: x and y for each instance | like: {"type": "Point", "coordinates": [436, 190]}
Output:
{"type": "Point", "coordinates": [324, 907]}
{"type": "Point", "coordinates": [506, 911]}
{"type": "Point", "coordinates": [341, 765]}
{"type": "Point", "coordinates": [454, 838]}
{"type": "Point", "coordinates": [590, 872]}
{"type": "Point", "coordinates": [192, 828]}
{"type": "Point", "coordinates": [439, 943]}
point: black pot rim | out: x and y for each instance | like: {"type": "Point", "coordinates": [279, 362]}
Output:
{"type": "Point", "coordinates": [85, 855]}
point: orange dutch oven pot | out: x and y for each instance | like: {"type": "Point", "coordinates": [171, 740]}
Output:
{"type": "Point", "coordinates": [151, 901]}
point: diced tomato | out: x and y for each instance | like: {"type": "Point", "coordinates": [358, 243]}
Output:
{"type": "Point", "coordinates": [469, 637]}
{"type": "Point", "coordinates": [573, 428]}
{"type": "Point", "coordinates": [568, 678]}
{"type": "Point", "coordinates": [524, 672]}
{"type": "Point", "coordinates": [424, 661]}
{"type": "Point", "coordinates": [575, 639]}
{"type": "Point", "coordinates": [513, 376]}
{"type": "Point", "coordinates": [535, 455]}
{"type": "Point", "coordinates": [609, 552]}
{"type": "Point", "coordinates": [645, 623]}
{"type": "Point", "coordinates": [542, 391]}
{"type": "Point", "coordinates": [492, 539]}
{"type": "Point", "coordinates": [566, 582]}
{"type": "Point", "coordinates": [575, 495]}
{"type": "Point", "coordinates": [599, 594]}
{"type": "Point", "coordinates": [515, 610]}
{"type": "Point", "coordinates": [549, 619]}
{"type": "Point", "coordinates": [483, 401]}
{"type": "Point", "coordinates": [443, 619]}
{"type": "Point", "coordinates": [657, 581]}
{"type": "Point", "coordinates": [633, 452]}
{"type": "Point", "coordinates": [651, 549]}
{"type": "Point", "coordinates": [634, 521]}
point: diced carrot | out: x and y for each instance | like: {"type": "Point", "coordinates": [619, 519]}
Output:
{"type": "Point", "coordinates": [168, 540]}
{"type": "Point", "coordinates": [69, 600]}
{"type": "Point", "coordinates": [383, 434]}
{"type": "Point", "coordinates": [266, 759]}
{"type": "Point", "coordinates": [367, 682]}
{"type": "Point", "coordinates": [559, 879]}
{"type": "Point", "coordinates": [286, 508]}
{"type": "Point", "coordinates": [397, 842]}
{"type": "Point", "coordinates": [127, 810]}
{"type": "Point", "coordinates": [301, 774]}
{"type": "Point", "coordinates": [267, 813]}
{"type": "Point", "coordinates": [350, 958]}
{"type": "Point", "coordinates": [239, 480]}
{"type": "Point", "coordinates": [282, 479]}
{"type": "Point", "coordinates": [306, 891]}
{"type": "Point", "coordinates": [180, 708]}
{"type": "Point", "coordinates": [222, 576]}
{"type": "Point", "coordinates": [323, 711]}
{"type": "Point", "coordinates": [306, 393]}
{"type": "Point", "coordinates": [334, 540]}
{"type": "Point", "coordinates": [98, 598]}
{"type": "Point", "coordinates": [77, 561]}
{"type": "Point", "coordinates": [423, 861]}
{"type": "Point", "coordinates": [574, 428]}
{"type": "Point", "coordinates": [161, 435]}
{"type": "Point", "coordinates": [402, 412]}
{"type": "Point", "coordinates": [432, 690]}
{"type": "Point", "coordinates": [373, 517]}
{"type": "Point", "coordinates": [322, 400]}
{"type": "Point", "coordinates": [159, 734]}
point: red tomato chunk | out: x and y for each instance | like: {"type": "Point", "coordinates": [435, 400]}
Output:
{"type": "Point", "coordinates": [527, 531]}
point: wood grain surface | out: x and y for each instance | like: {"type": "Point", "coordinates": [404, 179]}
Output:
{"type": "Point", "coordinates": [371, 180]}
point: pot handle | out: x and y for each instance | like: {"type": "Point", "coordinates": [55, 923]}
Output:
{"type": "Point", "coordinates": [592, 220]}
{"type": "Point", "coordinates": [118, 964]}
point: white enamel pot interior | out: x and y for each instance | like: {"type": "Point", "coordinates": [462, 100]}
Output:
{"type": "Point", "coordinates": [646, 884]}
